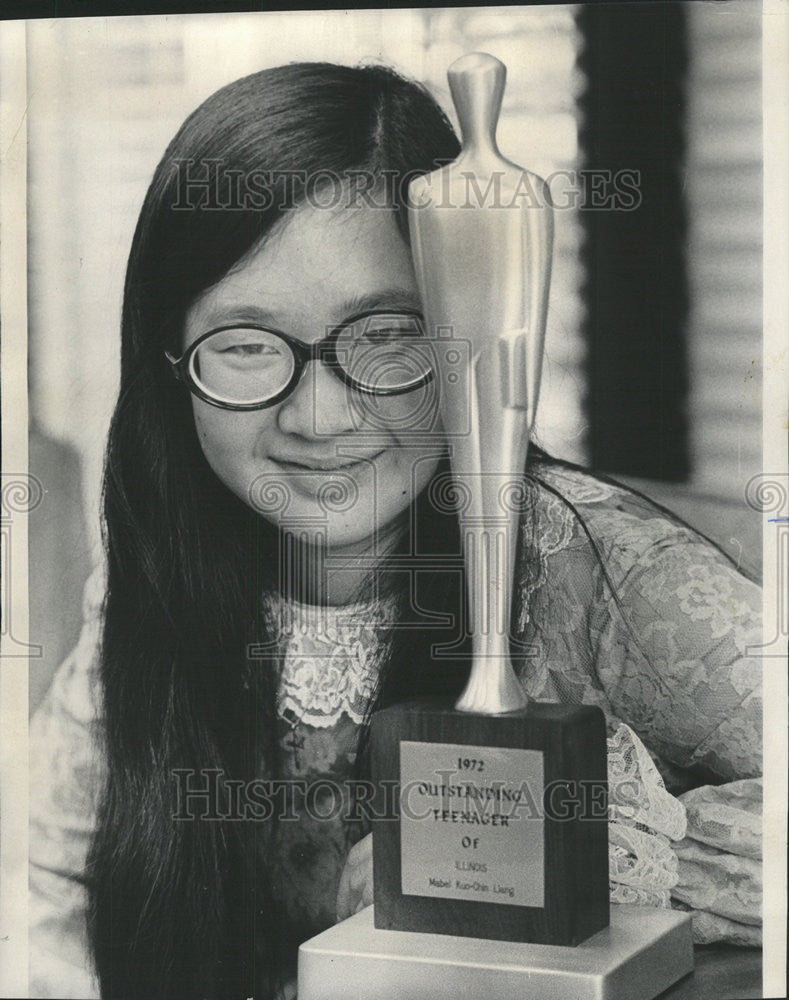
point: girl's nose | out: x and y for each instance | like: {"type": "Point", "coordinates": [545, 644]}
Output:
{"type": "Point", "coordinates": [318, 407]}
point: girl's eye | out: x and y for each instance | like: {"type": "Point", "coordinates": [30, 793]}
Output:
{"type": "Point", "coordinates": [383, 334]}
{"type": "Point", "coordinates": [381, 331]}
{"type": "Point", "coordinates": [249, 349]}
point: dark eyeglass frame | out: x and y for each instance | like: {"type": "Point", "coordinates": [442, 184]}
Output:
{"type": "Point", "coordinates": [322, 350]}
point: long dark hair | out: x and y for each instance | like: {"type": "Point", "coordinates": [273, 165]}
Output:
{"type": "Point", "coordinates": [179, 908]}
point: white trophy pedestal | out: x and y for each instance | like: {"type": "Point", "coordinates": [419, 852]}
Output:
{"type": "Point", "coordinates": [641, 953]}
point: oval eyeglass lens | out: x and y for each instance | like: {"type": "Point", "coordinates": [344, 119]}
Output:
{"type": "Point", "coordinates": [242, 365]}
{"type": "Point", "coordinates": [385, 352]}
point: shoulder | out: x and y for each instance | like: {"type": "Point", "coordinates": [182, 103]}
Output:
{"type": "Point", "coordinates": [66, 778]}
{"type": "Point", "coordinates": [618, 553]}
{"type": "Point", "coordinates": [75, 686]}
{"type": "Point", "coordinates": [624, 528]}
{"type": "Point", "coordinates": [65, 756]}
{"type": "Point", "coordinates": [67, 762]}
{"type": "Point", "coordinates": [607, 507]}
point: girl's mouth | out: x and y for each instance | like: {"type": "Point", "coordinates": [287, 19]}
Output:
{"type": "Point", "coordinates": [327, 465]}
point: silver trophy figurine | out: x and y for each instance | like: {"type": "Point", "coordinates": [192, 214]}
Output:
{"type": "Point", "coordinates": [482, 235]}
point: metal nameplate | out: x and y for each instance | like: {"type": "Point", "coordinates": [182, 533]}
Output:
{"type": "Point", "coordinates": [471, 823]}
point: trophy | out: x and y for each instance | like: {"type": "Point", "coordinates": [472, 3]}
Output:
{"type": "Point", "coordinates": [496, 842]}
{"type": "Point", "coordinates": [471, 852]}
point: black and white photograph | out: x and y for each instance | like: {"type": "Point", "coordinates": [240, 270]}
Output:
{"type": "Point", "coordinates": [395, 506]}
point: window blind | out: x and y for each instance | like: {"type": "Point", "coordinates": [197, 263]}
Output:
{"type": "Point", "coordinates": [724, 193]}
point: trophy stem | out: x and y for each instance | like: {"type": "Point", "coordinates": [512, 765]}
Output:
{"type": "Point", "coordinates": [492, 687]}
{"type": "Point", "coordinates": [489, 530]}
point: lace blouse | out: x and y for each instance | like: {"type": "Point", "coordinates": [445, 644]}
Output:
{"type": "Point", "coordinates": [623, 608]}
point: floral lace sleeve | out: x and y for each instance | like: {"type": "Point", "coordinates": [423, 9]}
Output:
{"type": "Point", "coordinates": [65, 774]}
{"type": "Point", "coordinates": [672, 655]}
{"type": "Point", "coordinates": [657, 631]}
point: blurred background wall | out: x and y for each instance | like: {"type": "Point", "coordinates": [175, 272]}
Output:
{"type": "Point", "coordinates": [723, 189]}
{"type": "Point", "coordinates": [107, 94]}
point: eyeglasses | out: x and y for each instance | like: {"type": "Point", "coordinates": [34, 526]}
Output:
{"type": "Point", "coordinates": [249, 367]}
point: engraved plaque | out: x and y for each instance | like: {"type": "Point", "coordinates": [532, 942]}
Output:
{"type": "Point", "coordinates": [473, 843]}
{"type": "Point", "coordinates": [472, 823]}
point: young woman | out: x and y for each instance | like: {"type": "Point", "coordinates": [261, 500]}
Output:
{"type": "Point", "coordinates": [281, 558]}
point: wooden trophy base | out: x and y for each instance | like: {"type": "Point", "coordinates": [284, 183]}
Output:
{"type": "Point", "coordinates": [499, 825]}
{"type": "Point", "coordinates": [641, 953]}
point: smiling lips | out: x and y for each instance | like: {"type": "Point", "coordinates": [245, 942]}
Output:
{"type": "Point", "coordinates": [335, 464]}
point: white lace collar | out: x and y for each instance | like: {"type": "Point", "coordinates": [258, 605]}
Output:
{"type": "Point", "coordinates": [329, 658]}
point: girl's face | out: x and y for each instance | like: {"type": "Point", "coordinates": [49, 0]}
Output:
{"type": "Point", "coordinates": [332, 465]}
